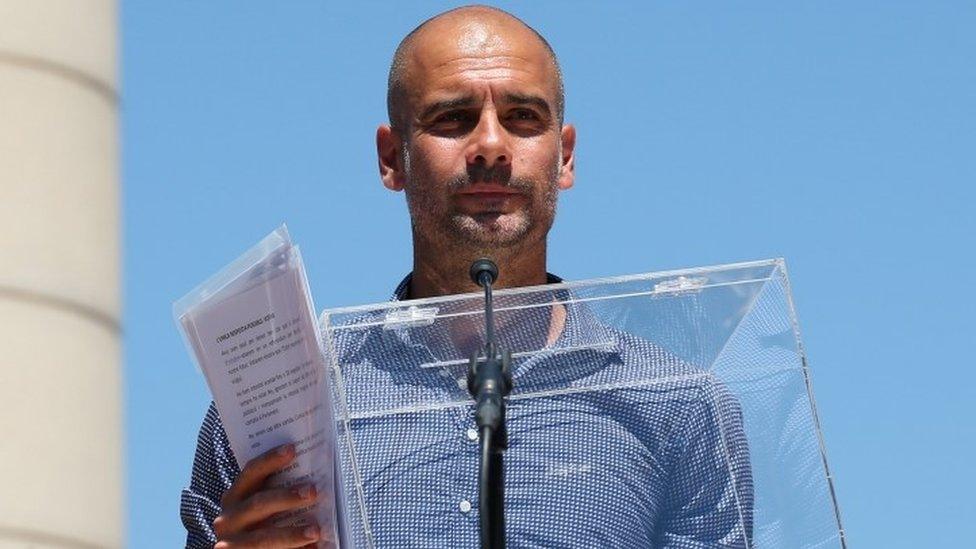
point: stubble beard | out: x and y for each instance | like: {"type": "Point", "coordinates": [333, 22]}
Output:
{"type": "Point", "coordinates": [487, 232]}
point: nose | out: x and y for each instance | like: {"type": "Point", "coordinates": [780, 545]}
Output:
{"type": "Point", "coordinates": [489, 145]}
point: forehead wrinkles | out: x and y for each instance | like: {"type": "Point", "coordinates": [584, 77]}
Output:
{"type": "Point", "coordinates": [487, 68]}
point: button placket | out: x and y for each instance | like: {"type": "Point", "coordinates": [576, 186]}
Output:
{"type": "Point", "coordinates": [469, 441]}
{"type": "Point", "coordinates": [467, 472]}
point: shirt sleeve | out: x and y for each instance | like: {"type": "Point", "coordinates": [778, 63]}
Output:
{"type": "Point", "coordinates": [710, 502]}
{"type": "Point", "coordinates": [214, 470]}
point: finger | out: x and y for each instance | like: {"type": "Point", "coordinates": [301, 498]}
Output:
{"type": "Point", "coordinates": [256, 471]}
{"type": "Point", "coordinates": [261, 506]}
{"type": "Point", "coordinates": [272, 538]}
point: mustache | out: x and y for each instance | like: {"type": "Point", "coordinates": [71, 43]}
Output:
{"type": "Point", "coordinates": [501, 176]}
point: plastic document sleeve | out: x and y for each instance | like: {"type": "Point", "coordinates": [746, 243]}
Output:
{"type": "Point", "coordinates": [252, 332]}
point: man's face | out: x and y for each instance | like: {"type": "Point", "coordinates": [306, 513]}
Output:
{"type": "Point", "coordinates": [482, 146]}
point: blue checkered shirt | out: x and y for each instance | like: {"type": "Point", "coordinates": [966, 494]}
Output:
{"type": "Point", "coordinates": [664, 466]}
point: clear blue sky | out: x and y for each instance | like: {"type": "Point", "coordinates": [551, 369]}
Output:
{"type": "Point", "coordinates": [840, 136]}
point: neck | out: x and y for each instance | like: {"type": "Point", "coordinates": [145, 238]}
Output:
{"type": "Point", "coordinates": [445, 272]}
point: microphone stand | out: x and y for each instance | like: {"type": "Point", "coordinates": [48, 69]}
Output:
{"type": "Point", "coordinates": [489, 381]}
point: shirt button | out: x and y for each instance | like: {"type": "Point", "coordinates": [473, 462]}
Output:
{"type": "Point", "coordinates": [462, 383]}
{"type": "Point", "coordinates": [465, 506]}
{"type": "Point", "coordinates": [472, 435]}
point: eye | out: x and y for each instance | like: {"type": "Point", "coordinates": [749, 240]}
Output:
{"type": "Point", "coordinates": [452, 123]}
{"type": "Point", "coordinates": [452, 117]}
{"type": "Point", "coordinates": [525, 122]}
{"type": "Point", "coordinates": [524, 114]}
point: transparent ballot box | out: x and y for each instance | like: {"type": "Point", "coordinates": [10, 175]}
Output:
{"type": "Point", "coordinates": [669, 409]}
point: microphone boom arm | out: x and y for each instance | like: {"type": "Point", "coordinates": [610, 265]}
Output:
{"type": "Point", "coordinates": [489, 381]}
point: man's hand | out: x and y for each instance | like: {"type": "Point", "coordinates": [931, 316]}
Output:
{"type": "Point", "coordinates": [248, 504]}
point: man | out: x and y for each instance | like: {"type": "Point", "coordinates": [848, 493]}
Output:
{"type": "Point", "coordinates": [477, 142]}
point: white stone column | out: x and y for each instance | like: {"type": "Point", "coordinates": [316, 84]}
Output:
{"type": "Point", "coordinates": [61, 468]}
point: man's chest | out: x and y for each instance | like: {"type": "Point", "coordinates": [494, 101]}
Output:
{"type": "Point", "coordinates": [582, 469]}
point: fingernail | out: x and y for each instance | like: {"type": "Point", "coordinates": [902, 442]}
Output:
{"type": "Point", "coordinates": [284, 450]}
{"type": "Point", "coordinates": [312, 532]}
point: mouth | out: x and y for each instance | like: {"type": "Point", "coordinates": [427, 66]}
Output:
{"type": "Point", "coordinates": [488, 192]}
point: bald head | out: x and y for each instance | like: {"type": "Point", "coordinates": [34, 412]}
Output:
{"type": "Point", "coordinates": [465, 31]}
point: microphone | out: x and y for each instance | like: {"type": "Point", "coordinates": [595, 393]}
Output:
{"type": "Point", "coordinates": [489, 381]}
{"type": "Point", "coordinates": [482, 267]}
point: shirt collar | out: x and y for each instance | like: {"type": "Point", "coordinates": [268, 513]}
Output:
{"type": "Point", "coordinates": [585, 347]}
{"type": "Point", "coordinates": [402, 291]}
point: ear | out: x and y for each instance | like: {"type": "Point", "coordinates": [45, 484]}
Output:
{"type": "Point", "coordinates": [567, 173]}
{"type": "Point", "coordinates": [389, 152]}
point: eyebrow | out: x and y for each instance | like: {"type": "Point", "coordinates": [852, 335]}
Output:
{"type": "Point", "coordinates": [521, 99]}
{"type": "Point", "coordinates": [447, 104]}
{"type": "Point", "coordinates": [467, 101]}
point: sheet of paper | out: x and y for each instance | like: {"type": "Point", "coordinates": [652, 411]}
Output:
{"type": "Point", "coordinates": [260, 353]}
